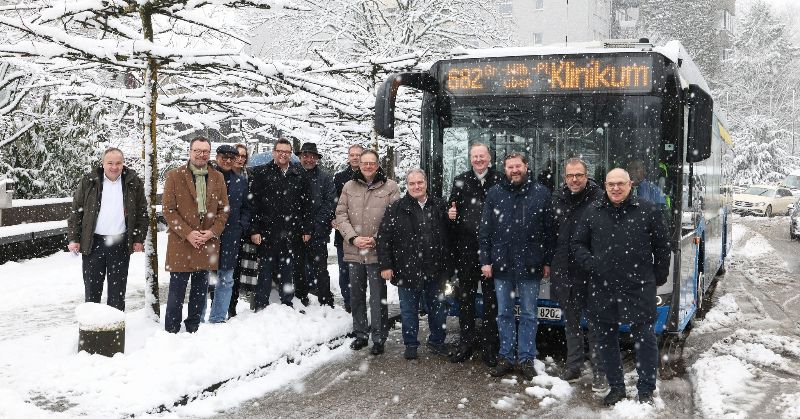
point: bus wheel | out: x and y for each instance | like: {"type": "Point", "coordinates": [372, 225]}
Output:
{"type": "Point", "coordinates": [768, 212]}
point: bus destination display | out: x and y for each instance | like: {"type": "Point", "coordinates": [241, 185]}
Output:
{"type": "Point", "coordinates": [532, 75]}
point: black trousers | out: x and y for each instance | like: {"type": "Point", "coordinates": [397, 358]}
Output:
{"type": "Point", "coordinates": [468, 279]}
{"type": "Point", "coordinates": [311, 272]}
{"type": "Point", "coordinates": [108, 259]}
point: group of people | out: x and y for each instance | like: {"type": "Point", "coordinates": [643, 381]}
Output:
{"type": "Point", "coordinates": [605, 250]}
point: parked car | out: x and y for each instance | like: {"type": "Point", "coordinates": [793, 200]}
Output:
{"type": "Point", "coordinates": [794, 220]}
{"type": "Point", "coordinates": [765, 200]}
{"type": "Point", "coordinates": [792, 182]}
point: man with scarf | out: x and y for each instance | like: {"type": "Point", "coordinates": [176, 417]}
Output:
{"type": "Point", "coordinates": [195, 205]}
{"type": "Point", "coordinates": [569, 281]}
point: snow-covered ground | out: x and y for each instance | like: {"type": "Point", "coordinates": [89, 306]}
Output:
{"type": "Point", "coordinates": [43, 375]}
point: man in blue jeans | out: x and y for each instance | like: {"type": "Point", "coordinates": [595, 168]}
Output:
{"type": "Point", "coordinates": [238, 222]}
{"type": "Point", "coordinates": [413, 253]}
{"type": "Point", "coordinates": [516, 241]}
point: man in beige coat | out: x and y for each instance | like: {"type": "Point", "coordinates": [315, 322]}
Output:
{"type": "Point", "coordinates": [195, 206]}
{"type": "Point", "coordinates": [358, 217]}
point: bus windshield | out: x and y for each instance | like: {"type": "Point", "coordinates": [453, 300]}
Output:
{"type": "Point", "coordinates": [606, 131]}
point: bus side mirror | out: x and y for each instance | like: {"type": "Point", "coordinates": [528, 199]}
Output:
{"type": "Point", "coordinates": [701, 111]}
{"type": "Point", "coordinates": [387, 94]}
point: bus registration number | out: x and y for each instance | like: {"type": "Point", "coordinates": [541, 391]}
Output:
{"type": "Point", "coordinates": [549, 313]}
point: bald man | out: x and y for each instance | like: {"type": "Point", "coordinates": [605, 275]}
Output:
{"type": "Point", "coordinates": [623, 242]}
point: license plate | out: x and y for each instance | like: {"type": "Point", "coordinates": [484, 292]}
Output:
{"type": "Point", "coordinates": [549, 313]}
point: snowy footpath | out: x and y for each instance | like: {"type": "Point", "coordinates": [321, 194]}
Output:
{"type": "Point", "coordinates": [43, 375]}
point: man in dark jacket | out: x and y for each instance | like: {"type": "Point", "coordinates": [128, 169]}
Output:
{"type": "Point", "coordinates": [624, 243]}
{"type": "Point", "coordinates": [313, 255]}
{"type": "Point", "coordinates": [413, 254]}
{"type": "Point", "coordinates": [339, 179]}
{"type": "Point", "coordinates": [569, 280]}
{"type": "Point", "coordinates": [516, 248]}
{"type": "Point", "coordinates": [107, 223]}
{"type": "Point", "coordinates": [230, 241]}
{"type": "Point", "coordinates": [466, 207]}
{"type": "Point", "coordinates": [281, 218]}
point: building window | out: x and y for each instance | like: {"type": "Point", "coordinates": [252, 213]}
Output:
{"type": "Point", "coordinates": [537, 38]}
{"type": "Point", "coordinates": [727, 53]}
{"type": "Point", "coordinates": [539, 4]}
{"type": "Point", "coordinates": [728, 21]}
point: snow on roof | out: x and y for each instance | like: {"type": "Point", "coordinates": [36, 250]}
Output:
{"type": "Point", "coordinates": [672, 50]}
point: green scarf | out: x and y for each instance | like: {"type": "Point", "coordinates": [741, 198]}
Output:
{"type": "Point", "coordinates": [200, 187]}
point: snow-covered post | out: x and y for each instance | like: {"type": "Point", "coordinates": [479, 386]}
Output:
{"type": "Point", "coordinates": [151, 167]}
{"type": "Point", "coordinates": [101, 329]}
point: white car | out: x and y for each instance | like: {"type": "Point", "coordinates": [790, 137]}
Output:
{"type": "Point", "coordinates": [792, 182]}
{"type": "Point", "coordinates": [765, 200]}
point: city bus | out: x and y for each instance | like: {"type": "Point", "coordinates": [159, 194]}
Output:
{"type": "Point", "coordinates": [614, 104]}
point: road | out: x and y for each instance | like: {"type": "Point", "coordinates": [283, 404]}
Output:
{"type": "Point", "coordinates": [765, 288]}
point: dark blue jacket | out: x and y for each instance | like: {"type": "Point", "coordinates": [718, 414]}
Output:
{"type": "Point", "coordinates": [516, 235]}
{"type": "Point", "coordinates": [238, 219]}
{"type": "Point", "coordinates": [628, 253]}
{"type": "Point", "coordinates": [323, 203]}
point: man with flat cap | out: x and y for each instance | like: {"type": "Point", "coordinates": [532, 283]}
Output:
{"type": "Point", "coordinates": [312, 267]}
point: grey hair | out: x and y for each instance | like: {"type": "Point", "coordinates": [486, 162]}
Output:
{"type": "Point", "coordinates": [576, 160]}
{"type": "Point", "coordinates": [418, 171]}
{"type": "Point", "coordinates": [113, 150]}
{"type": "Point", "coordinates": [473, 145]}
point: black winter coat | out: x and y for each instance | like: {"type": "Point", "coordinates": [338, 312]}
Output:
{"type": "Point", "coordinates": [568, 211]}
{"type": "Point", "coordinates": [281, 205]}
{"type": "Point", "coordinates": [323, 203]}
{"type": "Point", "coordinates": [400, 241]}
{"type": "Point", "coordinates": [516, 235]}
{"type": "Point", "coordinates": [627, 251]}
{"type": "Point", "coordinates": [238, 219]}
{"type": "Point", "coordinates": [469, 195]}
{"type": "Point", "coordinates": [339, 179]}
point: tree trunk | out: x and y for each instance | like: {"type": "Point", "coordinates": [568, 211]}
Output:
{"type": "Point", "coordinates": [151, 170]}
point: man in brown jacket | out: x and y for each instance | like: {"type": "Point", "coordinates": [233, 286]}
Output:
{"type": "Point", "coordinates": [358, 217]}
{"type": "Point", "coordinates": [195, 205]}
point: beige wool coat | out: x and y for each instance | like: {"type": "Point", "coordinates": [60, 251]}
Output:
{"type": "Point", "coordinates": [359, 213]}
{"type": "Point", "coordinates": [179, 203]}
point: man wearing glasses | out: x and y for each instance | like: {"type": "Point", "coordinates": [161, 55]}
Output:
{"type": "Point", "coordinates": [195, 205]}
{"type": "Point", "coordinates": [282, 219]}
{"type": "Point", "coordinates": [568, 279]}
{"type": "Point", "coordinates": [623, 241]}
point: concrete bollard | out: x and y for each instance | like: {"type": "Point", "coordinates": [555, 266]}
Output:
{"type": "Point", "coordinates": [101, 329]}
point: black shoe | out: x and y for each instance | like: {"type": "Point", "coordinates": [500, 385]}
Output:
{"type": "Point", "coordinates": [305, 301]}
{"type": "Point", "coordinates": [570, 375]}
{"type": "Point", "coordinates": [463, 354]}
{"type": "Point", "coordinates": [410, 352]}
{"type": "Point", "coordinates": [377, 348]}
{"type": "Point", "coordinates": [438, 349]}
{"type": "Point", "coordinates": [490, 358]}
{"type": "Point", "coordinates": [528, 370]}
{"type": "Point", "coordinates": [502, 368]}
{"type": "Point", "coordinates": [615, 395]}
{"type": "Point", "coordinates": [646, 398]}
{"type": "Point", "coordinates": [359, 344]}
{"type": "Point", "coordinates": [348, 309]}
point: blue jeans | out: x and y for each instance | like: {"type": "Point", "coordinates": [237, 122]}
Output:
{"type": "Point", "coordinates": [280, 261]}
{"type": "Point", "coordinates": [344, 276]}
{"type": "Point", "coordinates": [410, 299]}
{"type": "Point", "coordinates": [177, 292]}
{"type": "Point", "coordinates": [527, 290]}
{"type": "Point", "coordinates": [222, 296]}
{"type": "Point", "coordinates": [646, 355]}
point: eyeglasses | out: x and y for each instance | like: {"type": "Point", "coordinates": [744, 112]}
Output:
{"type": "Point", "coordinates": [369, 163]}
{"type": "Point", "coordinates": [575, 176]}
{"type": "Point", "coordinates": [201, 152]}
{"type": "Point", "coordinates": [227, 157]}
{"type": "Point", "coordinates": [284, 152]}
{"type": "Point", "coordinates": [242, 156]}
{"type": "Point", "coordinates": [612, 185]}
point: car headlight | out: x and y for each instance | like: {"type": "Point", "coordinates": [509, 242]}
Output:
{"type": "Point", "coordinates": [760, 204]}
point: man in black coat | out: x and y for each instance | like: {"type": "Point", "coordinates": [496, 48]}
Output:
{"type": "Point", "coordinates": [624, 243]}
{"type": "Point", "coordinates": [465, 209]}
{"type": "Point", "coordinates": [281, 219]}
{"type": "Point", "coordinates": [339, 179]}
{"type": "Point", "coordinates": [568, 279]}
{"type": "Point", "coordinates": [312, 266]}
{"type": "Point", "coordinates": [413, 254]}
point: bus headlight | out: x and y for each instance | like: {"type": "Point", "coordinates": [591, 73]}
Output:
{"type": "Point", "coordinates": [448, 288]}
